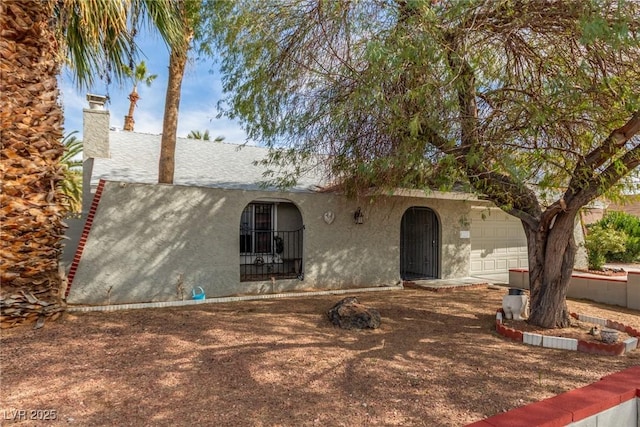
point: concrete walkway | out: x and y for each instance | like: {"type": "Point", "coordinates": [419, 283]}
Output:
{"type": "Point", "coordinates": [501, 279]}
{"type": "Point", "coordinates": [440, 285]}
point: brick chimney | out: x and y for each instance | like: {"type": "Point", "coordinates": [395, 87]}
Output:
{"type": "Point", "coordinates": [95, 128]}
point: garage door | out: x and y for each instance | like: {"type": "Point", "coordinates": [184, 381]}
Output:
{"type": "Point", "coordinates": [498, 243]}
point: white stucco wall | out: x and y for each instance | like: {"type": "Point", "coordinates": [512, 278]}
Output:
{"type": "Point", "coordinates": [145, 238]}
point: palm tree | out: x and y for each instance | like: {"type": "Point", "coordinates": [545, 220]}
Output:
{"type": "Point", "coordinates": [177, 64]}
{"type": "Point", "coordinates": [191, 17]}
{"type": "Point", "coordinates": [71, 184]}
{"type": "Point", "coordinates": [31, 120]}
{"type": "Point", "coordinates": [138, 75]}
{"type": "Point", "coordinates": [196, 134]}
{"type": "Point", "coordinates": [97, 36]}
{"type": "Point", "coordinates": [94, 36]}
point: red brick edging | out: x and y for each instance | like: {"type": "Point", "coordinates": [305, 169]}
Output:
{"type": "Point", "coordinates": [574, 405]}
{"type": "Point", "coordinates": [85, 235]}
{"type": "Point", "coordinates": [615, 349]}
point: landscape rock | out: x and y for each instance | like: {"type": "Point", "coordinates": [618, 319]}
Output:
{"type": "Point", "coordinates": [348, 313]}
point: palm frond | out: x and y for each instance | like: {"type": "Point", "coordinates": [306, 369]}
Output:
{"type": "Point", "coordinates": [72, 149]}
{"type": "Point", "coordinates": [98, 36]}
{"type": "Point", "coordinates": [71, 184]}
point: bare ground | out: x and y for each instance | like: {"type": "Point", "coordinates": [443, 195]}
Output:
{"type": "Point", "coordinates": [435, 361]}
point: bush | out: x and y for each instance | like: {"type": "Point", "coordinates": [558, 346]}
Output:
{"type": "Point", "coordinates": [630, 225]}
{"type": "Point", "coordinates": [601, 242]}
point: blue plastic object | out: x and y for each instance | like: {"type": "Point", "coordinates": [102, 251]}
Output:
{"type": "Point", "coordinates": [198, 295]}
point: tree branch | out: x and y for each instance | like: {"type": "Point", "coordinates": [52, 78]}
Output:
{"type": "Point", "coordinates": [617, 170]}
{"type": "Point", "coordinates": [586, 183]}
{"type": "Point", "coordinates": [616, 140]}
{"type": "Point", "coordinates": [500, 188]}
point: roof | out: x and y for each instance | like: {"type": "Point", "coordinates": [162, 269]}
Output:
{"type": "Point", "coordinates": [134, 157]}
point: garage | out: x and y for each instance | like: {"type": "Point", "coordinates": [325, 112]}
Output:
{"type": "Point", "coordinates": [498, 243]}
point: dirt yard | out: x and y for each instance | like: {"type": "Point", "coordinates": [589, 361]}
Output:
{"type": "Point", "coordinates": [435, 361]}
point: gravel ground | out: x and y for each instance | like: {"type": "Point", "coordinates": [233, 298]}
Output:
{"type": "Point", "coordinates": [435, 361]}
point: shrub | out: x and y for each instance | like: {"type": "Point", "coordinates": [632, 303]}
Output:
{"type": "Point", "coordinates": [600, 242]}
{"type": "Point", "coordinates": [630, 225]}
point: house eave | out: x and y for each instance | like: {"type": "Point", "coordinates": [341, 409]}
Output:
{"type": "Point", "coordinates": [432, 194]}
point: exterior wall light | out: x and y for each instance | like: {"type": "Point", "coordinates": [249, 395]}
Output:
{"type": "Point", "coordinates": [358, 216]}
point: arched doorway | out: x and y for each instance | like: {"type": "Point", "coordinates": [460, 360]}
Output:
{"type": "Point", "coordinates": [419, 244]}
{"type": "Point", "coordinates": [271, 241]}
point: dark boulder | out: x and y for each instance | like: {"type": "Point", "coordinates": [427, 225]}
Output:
{"type": "Point", "coordinates": [348, 313]}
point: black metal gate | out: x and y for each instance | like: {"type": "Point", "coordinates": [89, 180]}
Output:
{"type": "Point", "coordinates": [419, 244]}
{"type": "Point", "coordinates": [268, 254]}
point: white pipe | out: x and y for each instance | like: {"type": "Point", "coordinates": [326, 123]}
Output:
{"type": "Point", "coordinates": [227, 299]}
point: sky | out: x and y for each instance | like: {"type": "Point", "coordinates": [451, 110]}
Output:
{"type": "Point", "coordinates": [201, 90]}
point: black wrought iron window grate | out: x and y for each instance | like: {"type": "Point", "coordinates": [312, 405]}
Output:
{"type": "Point", "coordinates": [270, 254]}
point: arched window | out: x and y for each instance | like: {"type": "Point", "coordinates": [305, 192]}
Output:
{"type": "Point", "coordinates": [257, 228]}
{"type": "Point", "coordinates": [271, 234]}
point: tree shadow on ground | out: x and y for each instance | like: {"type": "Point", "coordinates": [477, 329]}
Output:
{"type": "Point", "coordinates": [436, 360]}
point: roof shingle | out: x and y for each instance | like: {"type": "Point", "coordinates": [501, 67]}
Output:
{"type": "Point", "coordinates": [134, 157]}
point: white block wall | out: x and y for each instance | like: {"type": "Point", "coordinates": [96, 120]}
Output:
{"type": "Point", "coordinates": [623, 415]}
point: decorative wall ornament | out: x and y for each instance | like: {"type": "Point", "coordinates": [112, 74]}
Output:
{"type": "Point", "coordinates": [329, 217]}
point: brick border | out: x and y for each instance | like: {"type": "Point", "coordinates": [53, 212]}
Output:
{"type": "Point", "coordinates": [85, 235]}
{"type": "Point", "coordinates": [574, 405]}
{"type": "Point", "coordinates": [616, 349]}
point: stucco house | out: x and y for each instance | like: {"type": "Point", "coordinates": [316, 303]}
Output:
{"type": "Point", "coordinates": [217, 229]}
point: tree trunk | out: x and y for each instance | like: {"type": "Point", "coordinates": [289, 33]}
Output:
{"type": "Point", "coordinates": [552, 251]}
{"type": "Point", "coordinates": [133, 100]}
{"type": "Point", "coordinates": [177, 63]}
{"type": "Point", "coordinates": [31, 208]}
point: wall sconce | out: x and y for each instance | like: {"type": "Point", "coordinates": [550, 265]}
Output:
{"type": "Point", "coordinates": [358, 217]}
